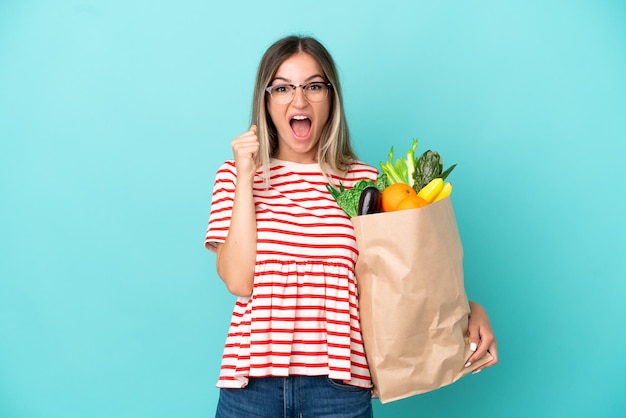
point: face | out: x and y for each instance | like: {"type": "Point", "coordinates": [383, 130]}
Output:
{"type": "Point", "coordinates": [299, 123]}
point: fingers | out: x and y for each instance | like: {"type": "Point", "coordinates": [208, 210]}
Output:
{"type": "Point", "coordinates": [493, 350]}
{"type": "Point", "coordinates": [481, 338]}
{"type": "Point", "coordinates": [246, 139]}
{"type": "Point", "coordinates": [483, 342]}
{"type": "Point", "coordinates": [245, 150]}
{"type": "Point", "coordinates": [473, 331]}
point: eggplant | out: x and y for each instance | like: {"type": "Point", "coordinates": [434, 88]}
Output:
{"type": "Point", "coordinates": [369, 201]}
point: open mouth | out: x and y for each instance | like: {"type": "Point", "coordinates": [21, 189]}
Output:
{"type": "Point", "coordinates": [301, 126]}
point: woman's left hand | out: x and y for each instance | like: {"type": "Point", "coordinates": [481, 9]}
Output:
{"type": "Point", "coordinates": [481, 337]}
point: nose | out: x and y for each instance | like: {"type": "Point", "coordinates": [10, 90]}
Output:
{"type": "Point", "coordinates": [299, 99]}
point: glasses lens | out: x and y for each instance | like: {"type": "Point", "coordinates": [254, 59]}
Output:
{"type": "Point", "coordinates": [316, 92]}
{"type": "Point", "coordinates": [282, 93]}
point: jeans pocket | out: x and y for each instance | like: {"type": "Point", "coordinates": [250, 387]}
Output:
{"type": "Point", "coordinates": [339, 384]}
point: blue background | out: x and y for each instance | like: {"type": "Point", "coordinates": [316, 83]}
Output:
{"type": "Point", "coordinates": [114, 116]}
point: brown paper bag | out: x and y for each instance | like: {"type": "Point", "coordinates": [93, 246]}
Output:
{"type": "Point", "coordinates": [413, 306]}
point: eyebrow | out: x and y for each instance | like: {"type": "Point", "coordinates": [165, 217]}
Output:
{"type": "Point", "coordinates": [305, 81]}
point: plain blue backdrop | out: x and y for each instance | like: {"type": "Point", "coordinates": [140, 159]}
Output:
{"type": "Point", "coordinates": [114, 116]}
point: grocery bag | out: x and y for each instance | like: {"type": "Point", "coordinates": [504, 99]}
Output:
{"type": "Point", "coordinates": [413, 306]}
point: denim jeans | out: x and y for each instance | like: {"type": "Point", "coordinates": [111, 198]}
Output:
{"type": "Point", "coordinates": [295, 397]}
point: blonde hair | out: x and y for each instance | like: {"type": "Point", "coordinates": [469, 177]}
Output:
{"type": "Point", "coordinates": [334, 152]}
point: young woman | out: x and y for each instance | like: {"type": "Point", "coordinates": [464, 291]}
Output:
{"type": "Point", "coordinates": [284, 247]}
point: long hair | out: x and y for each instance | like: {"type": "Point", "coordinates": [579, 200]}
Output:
{"type": "Point", "coordinates": [334, 152]}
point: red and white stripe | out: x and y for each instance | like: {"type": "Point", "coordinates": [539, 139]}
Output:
{"type": "Point", "coordinates": [303, 315]}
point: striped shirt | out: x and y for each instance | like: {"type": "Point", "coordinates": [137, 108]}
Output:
{"type": "Point", "coordinates": [302, 317]}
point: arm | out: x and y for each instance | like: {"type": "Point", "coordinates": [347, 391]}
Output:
{"type": "Point", "coordinates": [481, 336]}
{"type": "Point", "coordinates": [236, 256]}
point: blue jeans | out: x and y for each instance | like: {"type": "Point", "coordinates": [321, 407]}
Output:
{"type": "Point", "coordinates": [295, 397]}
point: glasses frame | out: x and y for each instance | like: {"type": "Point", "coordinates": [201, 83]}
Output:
{"type": "Point", "coordinates": [294, 87]}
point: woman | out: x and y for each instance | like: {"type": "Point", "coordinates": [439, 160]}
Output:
{"type": "Point", "coordinates": [285, 248]}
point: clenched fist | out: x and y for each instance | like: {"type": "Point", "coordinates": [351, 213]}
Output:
{"type": "Point", "coordinates": [246, 150]}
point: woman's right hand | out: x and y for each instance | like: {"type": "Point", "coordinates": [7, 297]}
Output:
{"type": "Point", "coordinates": [246, 150]}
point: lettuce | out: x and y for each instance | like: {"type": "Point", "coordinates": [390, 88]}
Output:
{"type": "Point", "coordinates": [348, 199]}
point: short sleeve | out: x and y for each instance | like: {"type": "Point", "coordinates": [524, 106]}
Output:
{"type": "Point", "coordinates": [221, 205]}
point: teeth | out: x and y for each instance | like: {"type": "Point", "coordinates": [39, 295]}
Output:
{"type": "Point", "coordinates": [299, 117]}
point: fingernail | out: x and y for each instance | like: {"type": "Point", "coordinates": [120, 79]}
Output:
{"type": "Point", "coordinates": [477, 371]}
{"type": "Point", "coordinates": [473, 346]}
{"type": "Point", "coordinates": [469, 363]}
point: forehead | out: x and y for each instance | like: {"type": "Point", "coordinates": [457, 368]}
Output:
{"type": "Point", "coordinates": [299, 67]}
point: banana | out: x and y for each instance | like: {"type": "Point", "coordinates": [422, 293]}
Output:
{"type": "Point", "coordinates": [445, 191]}
{"type": "Point", "coordinates": [431, 190]}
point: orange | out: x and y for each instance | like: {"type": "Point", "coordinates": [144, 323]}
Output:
{"type": "Point", "coordinates": [411, 202]}
{"type": "Point", "coordinates": [394, 194]}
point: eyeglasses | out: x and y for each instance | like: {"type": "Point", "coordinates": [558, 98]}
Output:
{"type": "Point", "coordinates": [315, 91]}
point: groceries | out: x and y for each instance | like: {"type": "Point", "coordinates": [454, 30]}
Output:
{"type": "Point", "coordinates": [407, 182]}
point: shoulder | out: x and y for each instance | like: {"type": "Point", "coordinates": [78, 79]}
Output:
{"type": "Point", "coordinates": [360, 170]}
{"type": "Point", "coordinates": [357, 171]}
{"type": "Point", "coordinates": [225, 176]}
{"type": "Point", "coordinates": [228, 165]}
{"type": "Point", "coordinates": [226, 170]}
